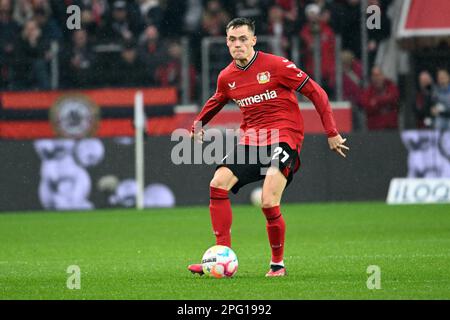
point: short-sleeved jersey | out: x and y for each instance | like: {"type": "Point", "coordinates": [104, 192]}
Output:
{"type": "Point", "coordinates": [265, 91]}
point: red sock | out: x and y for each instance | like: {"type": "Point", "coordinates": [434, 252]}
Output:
{"type": "Point", "coordinates": [276, 229]}
{"type": "Point", "coordinates": [221, 215]}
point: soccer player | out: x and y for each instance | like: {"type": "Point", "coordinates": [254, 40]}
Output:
{"type": "Point", "coordinates": [264, 87]}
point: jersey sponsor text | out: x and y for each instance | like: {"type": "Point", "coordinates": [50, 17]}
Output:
{"type": "Point", "coordinates": [245, 102]}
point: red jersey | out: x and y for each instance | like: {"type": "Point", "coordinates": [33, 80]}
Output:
{"type": "Point", "coordinates": [264, 90]}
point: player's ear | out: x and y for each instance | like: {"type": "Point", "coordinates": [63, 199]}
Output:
{"type": "Point", "coordinates": [254, 40]}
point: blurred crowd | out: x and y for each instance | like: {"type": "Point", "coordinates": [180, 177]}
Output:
{"type": "Point", "coordinates": [432, 104]}
{"type": "Point", "coordinates": [137, 43]}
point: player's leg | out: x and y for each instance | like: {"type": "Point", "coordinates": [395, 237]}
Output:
{"type": "Point", "coordinates": [285, 161]}
{"type": "Point", "coordinates": [273, 187]}
{"type": "Point", "coordinates": [220, 206]}
{"type": "Point", "coordinates": [231, 175]}
{"type": "Point", "coordinates": [219, 209]}
{"type": "Point", "coordinates": [234, 172]}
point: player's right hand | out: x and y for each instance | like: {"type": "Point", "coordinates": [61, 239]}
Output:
{"type": "Point", "coordinates": [198, 136]}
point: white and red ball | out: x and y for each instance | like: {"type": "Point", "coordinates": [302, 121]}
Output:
{"type": "Point", "coordinates": [220, 262]}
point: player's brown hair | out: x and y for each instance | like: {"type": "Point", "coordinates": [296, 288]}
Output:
{"type": "Point", "coordinates": [239, 22]}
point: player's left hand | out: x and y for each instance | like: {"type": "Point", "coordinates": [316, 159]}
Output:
{"type": "Point", "coordinates": [337, 144]}
{"type": "Point", "coordinates": [198, 136]}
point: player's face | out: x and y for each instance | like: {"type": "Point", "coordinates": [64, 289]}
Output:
{"type": "Point", "coordinates": [240, 42]}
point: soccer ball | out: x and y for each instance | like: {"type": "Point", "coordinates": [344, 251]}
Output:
{"type": "Point", "coordinates": [255, 197]}
{"type": "Point", "coordinates": [220, 262]}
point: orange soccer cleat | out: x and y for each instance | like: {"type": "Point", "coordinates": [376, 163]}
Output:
{"type": "Point", "coordinates": [196, 268]}
{"type": "Point", "coordinates": [276, 271]}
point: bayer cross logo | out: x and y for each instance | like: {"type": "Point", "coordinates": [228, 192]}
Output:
{"type": "Point", "coordinates": [74, 116]}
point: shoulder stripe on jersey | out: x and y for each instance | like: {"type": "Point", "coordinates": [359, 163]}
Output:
{"type": "Point", "coordinates": [302, 85]}
{"type": "Point", "coordinates": [248, 64]}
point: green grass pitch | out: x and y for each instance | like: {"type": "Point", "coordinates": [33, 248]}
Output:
{"type": "Point", "coordinates": [125, 254]}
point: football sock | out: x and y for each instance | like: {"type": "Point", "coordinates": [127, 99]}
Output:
{"type": "Point", "coordinates": [276, 229]}
{"type": "Point", "coordinates": [281, 263]}
{"type": "Point", "coordinates": [221, 215]}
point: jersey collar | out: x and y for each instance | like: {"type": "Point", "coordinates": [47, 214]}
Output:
{"type": "Point", "coordinates": [248, 64]}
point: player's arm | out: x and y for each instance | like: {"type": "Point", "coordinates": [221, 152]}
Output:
{"type": "Point", "coordinates": [209, 110]}
{"type": "Point", "coordinates": [319, 98]}
{"type": "Point", "coordinates": [296, 79]}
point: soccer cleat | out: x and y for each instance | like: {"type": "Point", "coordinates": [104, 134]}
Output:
{"type": "Point", "coordinates": [196, 268]}
{"type": "Point", "coordinates": [276, 271]}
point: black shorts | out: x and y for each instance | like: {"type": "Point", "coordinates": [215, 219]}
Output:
{"type": "Point", "coordinates": [250, 163]}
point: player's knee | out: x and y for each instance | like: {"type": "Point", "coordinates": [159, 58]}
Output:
{"type": "Point", "coordinates": [269, 201]}
{"type": "Point", "coordinates": [223, 179]}
{"type": "Point", "coordinates": [218, 183]}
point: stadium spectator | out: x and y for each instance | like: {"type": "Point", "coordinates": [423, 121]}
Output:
{"type": "Point", "coordinates": [290, 14]}
{"type": "Point", "coordinates": [313, 28]}
{"type": "Point", "coordinates": [441, 111]}
{"type": "Point", "coordinates": [151, 12]}
{"type": "Point", "coordinates": [152, 51]}
{"type": "Point", "coordinates": [93, 15]}
{"type": "Point", "coordinates": [169, 73]}
{"type": "Point", "coordinates": [23, 11]}
{"type": "Point", "coordinates": [214, 19]}
{"type": "Point", "coordinates": [424, 101]}
{"type": "Point", "coordinates": [381, 102]}
{"type": "Point", "coordinates": [129, 71]}
{"type": "Point", "coordinates": [79, 61]}
{"type": "Point", "coordinates": [191, 25]}
{"type": "Point", "coordinates": [352, 85]}
{"type": "Point", "coordinates": [121, 26]}
{"type": "Point", "coordinates": [192, 16]}
{"type": "Point", "coordinates": [352, 77]}
{"type": "Point", "coordinates": [253, 9]}
{"type": "Point", "coordinates": [8, 31]}
{"type": "Point", "coordinates": [49, 27]}
{"type": "Point", "coordinates": [329, 12]}
{"type": "Point", "coordinates": [376, 36]}
{"type": "Point", "coordinates": [276, 26]}
{"type": "Point", "coordinates": [31, 56]}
